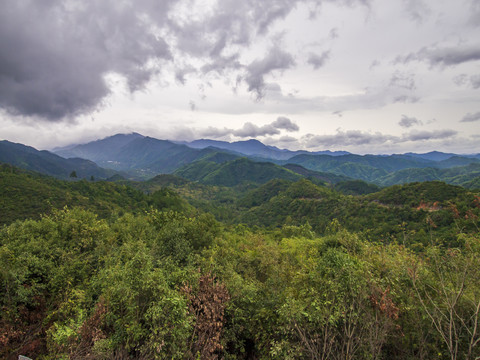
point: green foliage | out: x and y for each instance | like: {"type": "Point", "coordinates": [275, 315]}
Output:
{"type": "Point", "coordinates": [297, 270]}
{"type": "Point", "coordinates": [26, 194]}
{"type": "Point", "coordinates": [235, 172]}
{"type": "Point", "coordinates": [356, 187]}
{"type": "Point", "coordinates": [459, 175]}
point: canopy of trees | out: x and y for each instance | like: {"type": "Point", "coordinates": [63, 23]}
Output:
{"type": "Point", "coordinates": [293, 270]}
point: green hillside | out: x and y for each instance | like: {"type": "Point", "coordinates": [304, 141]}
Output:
{"type": "Point", "coordinates": [325, 177]}
{"type": "Point", "coordinates": [145, 270]}
{"type": "Point", "coordinates": [48, 163]}
{"type": "Point", "coordinates": [416, 209]}
{"type": "Point", "coordinates": [461, 175]}
{"type": "Point", "coordinates": [234, 172]}
{"type": "Point", "coordinates": [356, 187]}
{"type": "Point", "coordinates": [25, 194]}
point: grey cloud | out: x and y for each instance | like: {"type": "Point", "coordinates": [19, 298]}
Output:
{"type": "Point", "coordinates": [215, 133]}
{"type": "Point", "coordinates": [180, 73]}
{"type": "Point", "coordinates": [428, 135]}
{"type": "Point", "coordinates": [407, 122]}
{"type": "Point", "coordinates": [374, 64]}
{"type": "Point", "coordinates": [317, 61]}
{"type": "Point", "coordinates": [192, 105]}
{"type": "Point", "coordinates": [444, 56]}
{"type": "Point", "coordinates": [360, 138]}
{"type": "Point", "coordinates": [417, 10]}
{"type": "Point", "coordinates": [346, 138]}
{"type": "Point", "coordinates": [251, 130]}
{"type": "Point", "coordinates": [221, 64]}
{"type": "Point", "coordinates": [460, 80]}
{"type": "Point", "coordinates": [276, 59]}
{"type": "Point", "coordinates": [403, 80]}
{"type": "Point", "coordinates": [285, 123]}
{"type": "Point", "coordinates": [287, 139]}
{"type": "Point", "coordinates": [333, 34]}
{"type": "Point", "coordinates": [53, 58]}
{"type": "Point", "coordinates": [471, 117]}
{"type": "Point", "coordinates": [463, 79]}
{"type": "Point", "coordinates": [475, 13]}
{"type": "Point", "coordinates": [475, 81]}
{"type": "Point", "coordinates": [55, 55]}
{"type": "Point", "coordinates": [406, 99]}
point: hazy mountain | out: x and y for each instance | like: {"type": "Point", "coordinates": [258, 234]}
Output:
{"type": "Point", "coordinates": [372, 167]}
{"type": "Point", "coordinates": [367, 167]}
{"type": "Point", "coordinates": [467, 176]}
{"type": "Point", "coordinates": [327, 177]}
{"type": "Point", "coordinates": [432, 155]}
{"type": "Point", "coordinates": [455, 161]}
{"type": "Point", "coordinates": [140, 155]}
{"type": "Point", "coordinates": [143, 157]}
{"type": "Point", "coordinates": [45, 162]}
{"type": "Point", "coordinates": [100, 150]}
{"type": "Point", "coordinates": [256, 148]}
{"type": "Point", "coordinates": [440, 156]}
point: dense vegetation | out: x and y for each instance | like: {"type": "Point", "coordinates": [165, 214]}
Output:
{"type": "Point", "coordinates": [25, 194]}
{"type": "Point", "coordinates": [287, 269]}
{"type": "Point", "coordinates": [139, 157]}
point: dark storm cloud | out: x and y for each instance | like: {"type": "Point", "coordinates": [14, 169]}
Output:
{"type": "Point", "coordinates": [443, 56]}
{"type": "Point", "coordinates": [275, 59]}
{"type": "Point", "coordinates": [407, 121]}
{"type": "Point", "coordinates": [54, 55]}
{"type": "Point", "coordinates": [317, 61]}
{"type": "Point", "coordinates": [471, 117]}
{"type": "Point", "coordinates": [252, 130]}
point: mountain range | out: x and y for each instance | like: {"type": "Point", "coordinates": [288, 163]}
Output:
{"type": "Point", "coordinates": [206, 161]}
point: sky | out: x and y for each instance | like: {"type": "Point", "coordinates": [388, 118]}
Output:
{"type": "Point", "coordinates": [365, 76]}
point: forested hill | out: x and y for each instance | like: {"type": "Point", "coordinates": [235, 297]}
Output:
{"type": "Point", "coordinates": [234, 258]}
{"type": "Point", "coordinates": [28, 195]}
{"type": "Point", "coordinates": [234, 172]}
{"type": "Point", "coordinates": [141, 157]}
{"type": "Point", "coordinates": [294, 269]}
{"type": "Point", "coordinates": [47, 163]}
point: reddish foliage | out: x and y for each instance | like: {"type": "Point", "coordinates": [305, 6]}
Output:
{"type": "Point", "coordinates": [24, 334]}
{"type": "Point", "coordinates": [381, 301]}
{"type": "Point", "coordinates": [90, 332]}
{"type": "Point", "coordinates": [207, 304]}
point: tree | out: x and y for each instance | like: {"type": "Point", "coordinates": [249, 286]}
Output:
{"type": "Point", "coordinates": [447, 285]}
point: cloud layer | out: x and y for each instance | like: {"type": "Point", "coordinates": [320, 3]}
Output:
{"type": "Point", "coordinates": [55, 55]}
{"type": "Point", "coordinates": [227, 67]}
{"type": "Point", "coordinates": [250, 130]}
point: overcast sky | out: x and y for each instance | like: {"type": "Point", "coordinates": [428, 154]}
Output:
{"type": "Point", "coordinates": [366, 76]}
